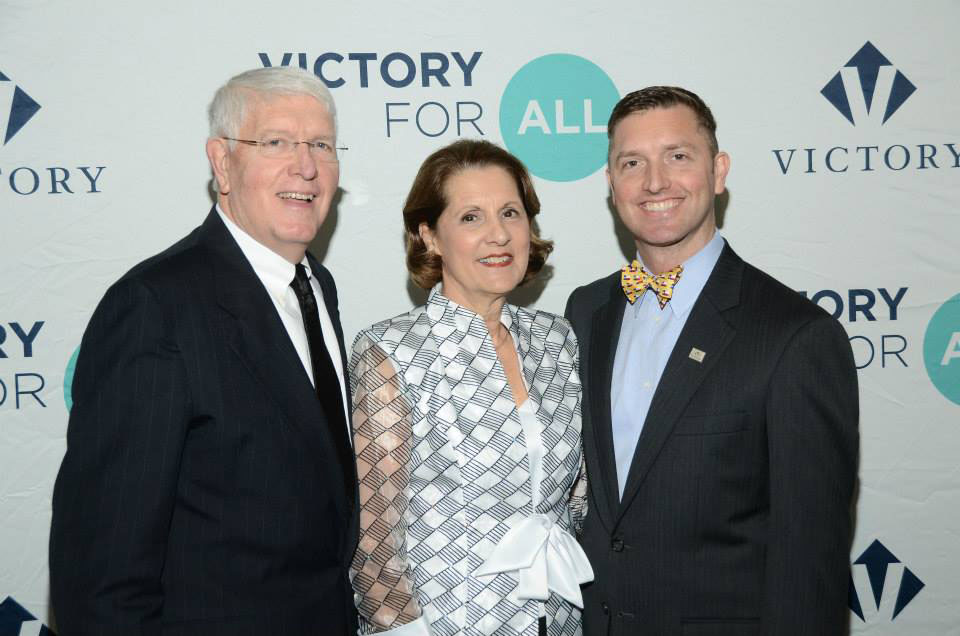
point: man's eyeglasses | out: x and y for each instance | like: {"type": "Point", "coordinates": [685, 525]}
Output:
{"type": "Point", "coordinates": [280, 147]}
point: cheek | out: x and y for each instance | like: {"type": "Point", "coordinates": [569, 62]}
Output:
{"type": "Point", "coordinates": [522, 240]}
{"type": "Point", "coordinates": [448, 247]}
{"type": "Point", "coordinates": [455, 264]}
{"type": "Point", "coordinates": [523, 237]}
{"type": "Point", "coordinates": [253, 183]}
{"type": "Point", "coordinates": [331, 181]}
{"type": "Point", "coordinates": [455, 243]}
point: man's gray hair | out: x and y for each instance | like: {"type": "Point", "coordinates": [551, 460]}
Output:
{"type": "Point", "coordinates": [228, 107]}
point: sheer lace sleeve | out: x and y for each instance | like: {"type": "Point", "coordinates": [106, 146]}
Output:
{"type": "Point", "coordinates": [386, 597]}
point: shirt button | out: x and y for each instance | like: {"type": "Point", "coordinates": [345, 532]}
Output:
{"type": "Point", "coordinates": [617, 545]}
{"type": "Point", "coordinates": [605, 608]}
{"type": "Point", "coordinates": [646, 385]}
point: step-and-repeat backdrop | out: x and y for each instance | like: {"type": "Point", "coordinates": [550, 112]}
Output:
{"type": "Point", "coordinates": [841, 120]}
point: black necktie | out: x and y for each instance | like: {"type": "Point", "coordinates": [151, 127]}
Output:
{"type": "Point", "coordinates": [324, 375]}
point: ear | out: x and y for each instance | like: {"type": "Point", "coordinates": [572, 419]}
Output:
{"type": "Point", "coordinates": [721, 166]}
{"type": "Point", "coordinates": [429, 239]}
{"type": "Point", "coordinates": [609, 177]}
{"type": "Point", "coordinates": [218, 154]}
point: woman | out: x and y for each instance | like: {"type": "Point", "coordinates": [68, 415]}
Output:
{"type": "Point", "coordinates": [467, 422]}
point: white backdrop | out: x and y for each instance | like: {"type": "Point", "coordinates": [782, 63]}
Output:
{"type": "Point", "coordinates": [110, 169]}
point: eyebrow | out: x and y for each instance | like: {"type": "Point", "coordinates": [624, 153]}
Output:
{"type": "Point", "coordinates": [474, 206]}
{"type": "Point", "coordinates": [285, 133]}
{"type": "Point", "coordinates": [681, 145]}
{"type": "Point", "coordinates": [625, 153]}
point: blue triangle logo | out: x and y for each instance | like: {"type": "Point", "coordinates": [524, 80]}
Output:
{"type": "Point", "coordinates": [13, 616]}
{"type": "Point", "coordinates": [24, 107]}
{"type": "Point", "coordinates": [21, 110]}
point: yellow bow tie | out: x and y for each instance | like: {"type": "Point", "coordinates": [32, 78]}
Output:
{"type": "Point", "coordinates": [634, 280]}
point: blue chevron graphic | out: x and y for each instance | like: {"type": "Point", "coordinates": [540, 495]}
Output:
{"type": "Point", "coordinates": [13, 616]}
{"type": "Point", "coordinates": [22, 110]}
{"type": "Point", "coordinates": [877, 559]}
{"type": "Point", "coordinates": [910, 586]}
{"type": "Point", "coordinates": [868, 61]}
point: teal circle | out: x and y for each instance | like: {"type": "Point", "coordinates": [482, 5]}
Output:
{"type": "Point", "coordinates": [564, 148]}
{"type": "Point", "coordinates": [68, 379]}
{"type": "Point", "coordinates": [941, 349]}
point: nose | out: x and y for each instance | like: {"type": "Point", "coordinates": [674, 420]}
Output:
{"type": "Point", "coordinates": [656, 178]}
{"type": "Point", "coordinates": [303, 163]}
{"type": "Point", "coordinates": [497, 231]}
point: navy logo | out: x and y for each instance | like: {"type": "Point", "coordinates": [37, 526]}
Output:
{"type": "Point", "coordinates": [17, 621]}
{"type": "Point", "coordinates": [22, 108]}
{"type": "Point", "coordinates": [873, 71]}
{"type": "Point", "coordinates": [876, 559]}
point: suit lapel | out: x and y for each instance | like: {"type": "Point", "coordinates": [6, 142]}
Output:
{"type": "Point", "coordinates": [706, 330]}
{"type": "Point", "coordinates": [258, 337]}
{"type": "Point", "coordinates": [604, 334]}
{"type": "Point", "coordinates": [330, 301]}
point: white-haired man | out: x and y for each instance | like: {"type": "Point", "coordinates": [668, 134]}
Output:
{"type": "Point", "coordinates": [209, 486]}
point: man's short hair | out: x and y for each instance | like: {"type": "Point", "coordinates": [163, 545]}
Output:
{"type": "Point", "coordinates": [428, 199]}
{"type": "Point", "coordinates": [664, 97]}
{"type": "Point", "coordinates": [229, 104]}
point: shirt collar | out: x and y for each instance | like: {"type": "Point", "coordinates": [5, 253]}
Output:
{"type": "Point", "coordinates": [696, 271]}
{"type": "Point", "coordinates": [275, 272]}
{"type": "Point", "coordinates": [447, 315]}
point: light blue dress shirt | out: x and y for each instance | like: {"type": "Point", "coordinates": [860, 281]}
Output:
{"type": "Point", "coordinates": [647, 337]}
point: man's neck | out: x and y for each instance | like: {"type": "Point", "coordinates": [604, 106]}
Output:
{"type": "Point", "coordinates": [659, 259]}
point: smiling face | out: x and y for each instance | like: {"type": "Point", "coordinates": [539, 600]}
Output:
{"type": "Point", "coordinates": [482, 237]}
{"type": "Point", "coordinates": [664, 177]}
{"type": "Point", "coordinates": [279, 201]}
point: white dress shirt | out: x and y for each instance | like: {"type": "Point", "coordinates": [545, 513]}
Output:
{"type": "Point", "coordinates": [648, 335]}
{"type": "Point", "coordinates": [276, 273]}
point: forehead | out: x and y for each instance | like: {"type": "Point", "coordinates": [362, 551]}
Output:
{"type": "Point", "coordinates": [659, 126]}
{"type": "Point", "coordinates": [296, 113]}
{"type": "Point", "coordinates": [477, 181]}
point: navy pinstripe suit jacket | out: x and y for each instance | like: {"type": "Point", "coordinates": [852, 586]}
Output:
{"type": "Point", "coordinates": [736, 514]}
{"type": "Point", "coordinates": [200, 491]}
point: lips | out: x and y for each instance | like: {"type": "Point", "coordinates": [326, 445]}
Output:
{"type": "Point", "coordinates": [298, 196]}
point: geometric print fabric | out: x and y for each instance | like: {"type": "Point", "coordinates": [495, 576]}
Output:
{"type": "Point", "coordinates": [443, 466]}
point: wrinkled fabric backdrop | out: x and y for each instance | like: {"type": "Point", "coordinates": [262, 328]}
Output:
{"type": "Point", "coordinates": [840, 118]}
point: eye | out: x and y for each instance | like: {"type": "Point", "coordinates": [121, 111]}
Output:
{"type": "Point", "coordinates": [512, 213]}
{"type": "Point", "coordinates": [274, 143]}
{"type": "Point", "coordinates": [469, 217]}
{"type": "Point", "coordinates": [679, 156]}
{"type": "Point", "coordinates": [629, 163]}
{"type": "Point", "coordinates": [321, 146]}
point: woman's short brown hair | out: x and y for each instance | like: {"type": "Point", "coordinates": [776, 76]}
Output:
{"type": "Point", "coordinates": [428, 199]}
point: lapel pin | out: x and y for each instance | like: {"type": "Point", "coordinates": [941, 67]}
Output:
{"type": "Point", "coordinates": [696, 354]}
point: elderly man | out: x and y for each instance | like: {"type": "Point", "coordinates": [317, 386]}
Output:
{"type": "Point", "coordinates": [209, 486]}
{"type": "Point", "coordinates": [720, 410]}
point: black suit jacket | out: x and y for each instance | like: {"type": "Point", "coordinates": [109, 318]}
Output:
{"type": "Point", "coordinates": [736, 515]}
{"type": "Point", "coordinates": [201, 491]}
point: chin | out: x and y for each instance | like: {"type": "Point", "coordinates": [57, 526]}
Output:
{"type": "Point", "coordinates": [504, 288]}
{"type": "Point", "coordinates": [659, 239]}
{"type": "Point", "coordinates": [302, 235]}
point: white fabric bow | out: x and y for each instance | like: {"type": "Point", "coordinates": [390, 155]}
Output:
{"type": "Point", "coordinates": [545, 558]}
